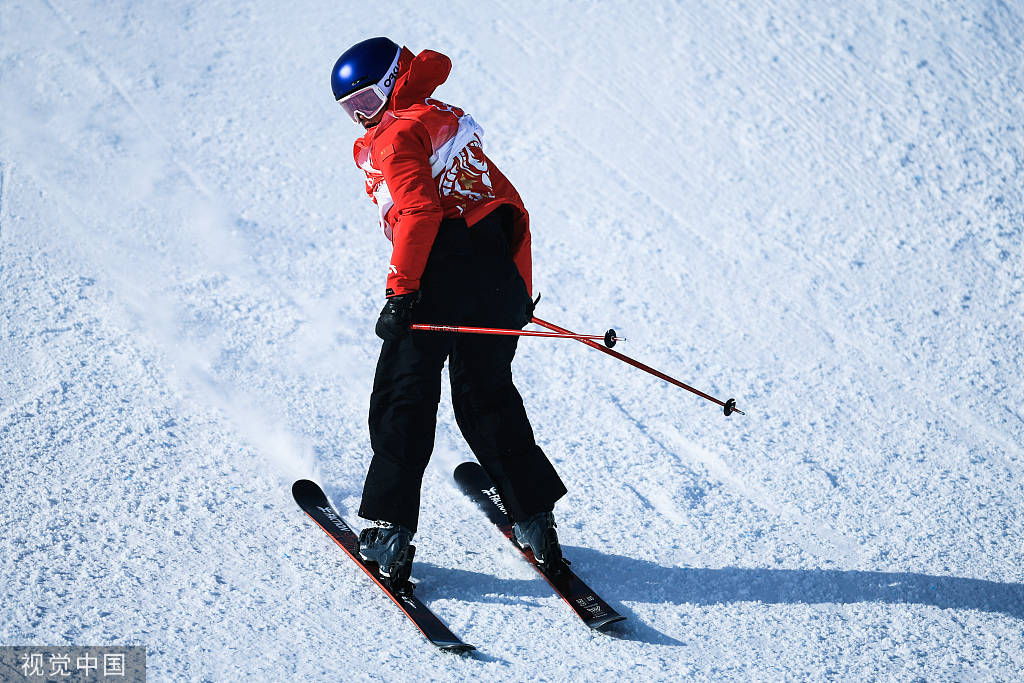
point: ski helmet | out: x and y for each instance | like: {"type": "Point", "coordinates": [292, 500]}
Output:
{"type": "Point", "coordinates": [364, 76]}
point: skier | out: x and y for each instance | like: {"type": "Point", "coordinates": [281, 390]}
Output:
{"type": "Point", "coordinates": [460, 256]}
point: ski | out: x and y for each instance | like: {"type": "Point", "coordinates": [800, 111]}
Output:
{"type": "Point", "coordinates": [595, 612]}
{"type": "Point", "coordinates": [314, 503]}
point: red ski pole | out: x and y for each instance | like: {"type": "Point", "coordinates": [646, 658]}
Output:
{"type": "Point", "coordinates": [728, 407]}
{"type": "Point", "coordinates": [608, 337]}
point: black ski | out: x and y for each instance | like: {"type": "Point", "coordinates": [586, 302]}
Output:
{"type": "Point", "coordinates": [595, 612]}
{"type": "Point", "coordinates": [314, 503]}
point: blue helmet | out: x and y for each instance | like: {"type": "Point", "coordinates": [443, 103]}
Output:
{"type": "Point", "coordinates": [370, 62]}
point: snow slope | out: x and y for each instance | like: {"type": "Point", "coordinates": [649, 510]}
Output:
{"type": "Point", "coordinates": [814, 207]}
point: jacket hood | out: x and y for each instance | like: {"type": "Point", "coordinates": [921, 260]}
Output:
{"type": "Point", "coordinates": [418, 77]}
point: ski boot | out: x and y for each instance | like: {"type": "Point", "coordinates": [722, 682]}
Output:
{"type": "Point", "coordinates": [389, 546]}
{"type": "Point", "coordinates": [537, 533]}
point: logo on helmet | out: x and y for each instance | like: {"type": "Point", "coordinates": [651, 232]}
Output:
{"type": "Point", "coordinates": [390, 80]}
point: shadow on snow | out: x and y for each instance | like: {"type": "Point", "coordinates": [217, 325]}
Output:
{"type": "Point", "coordinates": [632, 580]}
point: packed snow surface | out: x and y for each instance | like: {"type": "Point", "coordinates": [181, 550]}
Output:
{"type": "Point", "coordinates": [814, 207]}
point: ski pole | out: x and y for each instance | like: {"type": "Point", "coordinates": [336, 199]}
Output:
{"type": "Point", "coordinates": [728, 407]}
{"type": "Point", "coordinates": [608, 337]}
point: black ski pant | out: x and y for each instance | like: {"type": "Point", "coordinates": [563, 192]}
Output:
{"type": "Point", "coordinates": [470, 279]}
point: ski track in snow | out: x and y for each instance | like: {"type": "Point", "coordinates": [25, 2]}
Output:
{"type": "Point", "coordinates": [152, 129]}
{"type": "Point", "coordinates": [814, 209]}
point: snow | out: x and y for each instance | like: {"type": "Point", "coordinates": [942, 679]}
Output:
{"type": "Point", "coordinates": [813, 207]}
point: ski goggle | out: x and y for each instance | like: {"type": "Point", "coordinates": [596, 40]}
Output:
{"type": "Point", "coordinates": [366, 101]}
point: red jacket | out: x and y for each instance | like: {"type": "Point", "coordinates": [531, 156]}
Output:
{"type": "Point", "coordinates": [424, 162]}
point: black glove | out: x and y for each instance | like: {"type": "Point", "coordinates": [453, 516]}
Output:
{"type": "Point", "coordinates": [396, 316]}
{"type": "Point", "coordinates": [527, 310]}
